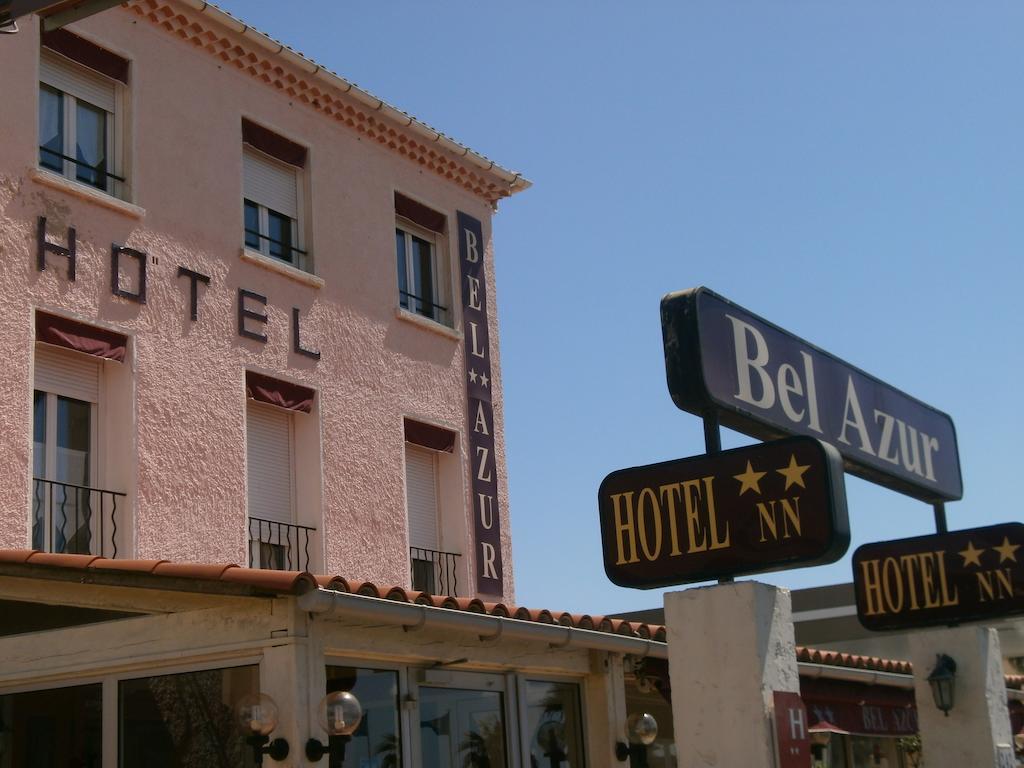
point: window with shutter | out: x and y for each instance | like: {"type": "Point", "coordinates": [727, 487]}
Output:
{"type": "Point", "coordinates": [269, 451]}
{"type": "Point", "coordinates": [272, 169]}
{"type": "Point", "coordinates": [78, 133]}
{"type": "Point", "coordinates": [421, 495]}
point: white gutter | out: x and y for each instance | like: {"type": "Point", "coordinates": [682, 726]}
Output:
{"type": "Point", "coordinates": [487, 628]}
{"type": "Point", "coordinates": [515, 181]}
{"type": "Point", "coordinates": [869, 676]}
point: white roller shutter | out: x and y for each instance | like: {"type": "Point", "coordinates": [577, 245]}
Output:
{"type": "Point", "coordinates": [79, 81]}
{"type": "Point", "coordinates": [271, 183]}
{"type": "Point", "coordinates": [269, 451]}
{"type": "Point", "coordinates": [421, 496]}
{"type": "Point", "coordinates": [71, 374]}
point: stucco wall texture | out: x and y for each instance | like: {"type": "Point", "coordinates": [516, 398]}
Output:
{"type": "Point", "coordinates": [186, 423]}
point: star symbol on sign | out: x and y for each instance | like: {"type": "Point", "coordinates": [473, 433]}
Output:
{"type": "Point", "coordinates": [483, 379]}
{"type": "Point", "coordinates": [473, 375]}
{"type": "Point", "coordinates": [749, 480]}
{"type": "Point", "coordinates": [794, 473]}
{"type": "Point", "coordinates": [971, 555]}
{"type": "Point", "coordinates": [1006, 550]}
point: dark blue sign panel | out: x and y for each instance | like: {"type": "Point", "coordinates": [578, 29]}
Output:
{"type": "Point", "coordinates": [758, 379]}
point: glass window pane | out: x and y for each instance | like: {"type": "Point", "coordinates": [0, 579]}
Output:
{"type": "Point", "coordinates": [377, 743]}
{"type": "Point", "coordinates": [91, 144]}
{"type": "Point", "coordinates": [39, 491]}
{"type": "Point", "coordinates": [72, 505]}
{"type": "Point", "coordinates": [252, 225]}
{"type": "Point", "coordinates": [58, 727]}
{"type": "Point", "coordinates": [553, 724]}
{"type": "Point", "coordinates": [403, 269]}
{"type": "Point", "coordinates": [74, 441]}
{"type": "Point", "coordinates": [280, 236]}
{"type": "Point", "coordinates": [462, 728]}
{"type": "Point", "coordinates": [51, 128]}
{"type": "Point", "coordinates": [185, 721]}
{"type": "Point", "coordinates": [423, 275]}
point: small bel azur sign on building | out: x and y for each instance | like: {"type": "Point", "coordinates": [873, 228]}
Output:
{"type": "Point", "coordinates": [761, 508]}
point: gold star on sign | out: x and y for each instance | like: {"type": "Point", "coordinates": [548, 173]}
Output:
{"type": "Point", "coordinates": [971, 555]}
{"type": "Point", "coordinates": [749, 480]}
{"type": "Point", "coordinates": [794, 473]}
{"type": "Point", "coordinates": [1006, 551]}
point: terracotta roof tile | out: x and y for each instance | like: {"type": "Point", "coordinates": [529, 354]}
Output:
{"type": "Point", "coordinates": [852, 661]}
{"type": "Point", "coordinates": [198, 571]}
{"type": "Point", "coordinates": [62, 561]}
{"type": "Point", "coordinates": [16, 555]}
{"type": "Point", "coordinates": [290, 582]}
{"type": "Point", "coordinates": [136, 566]}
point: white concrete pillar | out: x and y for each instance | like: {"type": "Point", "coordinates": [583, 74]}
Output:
{"type": "Point", "coordinates": [729, 646]}
{"type": "Point", "coordinates": [980, 719]}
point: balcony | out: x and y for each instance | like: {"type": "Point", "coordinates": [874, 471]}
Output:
{"type": "Point", "coordinates": [434, 572]}
{"type": "Point", "coordinates": [75, 519]}
{"type": "Point", "coordinates": [278, 546]}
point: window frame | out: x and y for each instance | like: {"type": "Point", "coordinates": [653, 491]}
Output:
{"type": "Point", "coordinates": [114, 128]}
{"type": "Point", "coordinates": [302, 259]}
{"type": "Point", "coordinates": [440, 274]}
{"type": "Point", "coordinates": [523, 679]}
{"type": "Point", "coordinates": [50, 431]}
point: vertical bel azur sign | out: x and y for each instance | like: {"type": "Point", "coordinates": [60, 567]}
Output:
{"type": "Point", "coordinates": [483, 464]}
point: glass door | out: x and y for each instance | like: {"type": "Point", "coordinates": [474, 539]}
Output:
{"type": "Point", "coordinates": [464, 721]}
{"type": "Point", "coordinates": [62, 466]}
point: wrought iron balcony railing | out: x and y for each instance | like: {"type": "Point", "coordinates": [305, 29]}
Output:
{"type": "Point", "coordinates": [434, 572]}
{"type": "Point", "coordinates": [278, 546]}
{"type": "Point", "coordinates": [75, 519]}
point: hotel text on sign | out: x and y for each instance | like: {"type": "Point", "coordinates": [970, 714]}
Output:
{"type": "Point", "coordinates": [766, 507]}
{"type": "Point", "coordinates": [945, 578]}
{"type": "Point", "coordinates": [762, 380]}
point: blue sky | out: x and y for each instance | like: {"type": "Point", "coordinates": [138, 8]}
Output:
{"type": "Point", "coordinates": [852, 171]}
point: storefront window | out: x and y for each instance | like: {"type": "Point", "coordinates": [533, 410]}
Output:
{"type": "Point", "coordinates": [462, 728]}
{"type": "Point", "coordinates": [377, 743]}
{"type": "Point", "coordinates": [186, 720]}
{"type": "Point", "coordinates": [554, 725]}
{"type": "Point", "coordinates": [52, 729]}
{"type": "Point", "coordinates": [870, 752]}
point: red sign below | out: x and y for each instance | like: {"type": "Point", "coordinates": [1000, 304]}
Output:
{"type": "Point", "coordinates": [791, 730]}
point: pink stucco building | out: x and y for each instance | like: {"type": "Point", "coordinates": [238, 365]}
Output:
{"type": "Point", "coordinates": [249, 311]}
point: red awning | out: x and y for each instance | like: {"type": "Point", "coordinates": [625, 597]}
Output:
{"type": "Point", "coordinates": [429, 436]}
{"type": "Point", "coordinates": [71, 334]}
{"type": "Point", "coordinates": [420, 214]}
{"type": "Point", "coordinates": [858, 708]}
{"type": "Point", "coordinates": [283, 394]}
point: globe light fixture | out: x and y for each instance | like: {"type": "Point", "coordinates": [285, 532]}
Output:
{"type": "Point", "coordinates": [339, 714]}
{"type": "Point", "coordinates": [642, 729]}
{"type": "Point", "coordinates": [258, 717]}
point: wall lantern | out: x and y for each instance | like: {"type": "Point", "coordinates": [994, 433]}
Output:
{"type": "Point", "coordinates": [340, 714]}
{"type": "Point", "coordinates": [642, 730]}
{"type": "Point", "coordinates": [257, 714]}
{"type": "Point", "coordinates": [941, 680]}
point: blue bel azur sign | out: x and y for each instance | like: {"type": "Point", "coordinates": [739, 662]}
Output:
{"type": "Point", "coordinates": [725, 362]}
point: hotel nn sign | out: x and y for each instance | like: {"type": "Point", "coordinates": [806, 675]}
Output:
{"type": "Point", "coordinates": [757, 378]}
{"type": "Point", "coordinates": [948, 578]}
{"type": "Point", "coordinates": [761, 508]}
